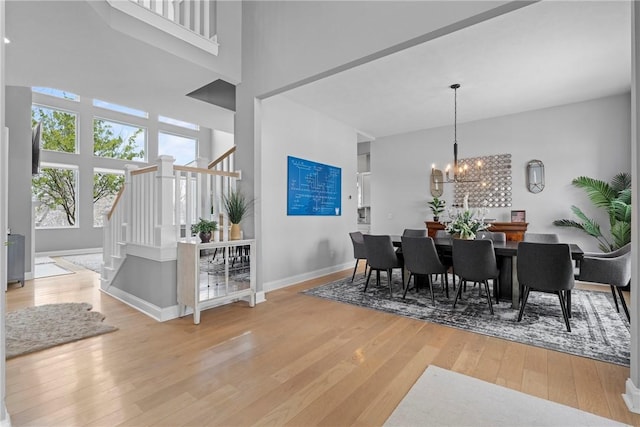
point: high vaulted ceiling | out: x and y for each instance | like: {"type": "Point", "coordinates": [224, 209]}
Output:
{"type": "Point", "coordinates": [545, 54]}
{"type": "Point", "coordinates": [67, 45]}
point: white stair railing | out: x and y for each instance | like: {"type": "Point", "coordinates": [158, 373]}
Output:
{"type": "Point", "coordinates": [193, 21]}
{"type": "Point", "coordinates": [198, 16]}
{"type": "Point", "coordinates": [157, 206]}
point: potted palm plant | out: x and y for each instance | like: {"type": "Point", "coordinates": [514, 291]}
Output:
{"type": "Point", "coordinates": [237, 206]}
{"type": "Point", "coordinates": [204, 228]}
{"type": "Point", "coordinates": [615, 198]}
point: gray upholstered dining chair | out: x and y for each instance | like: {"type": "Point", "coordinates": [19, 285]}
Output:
{"type": "Point", "coordinates": [359, 251]}
{"type": "Point", "coordinates": [475, 261]}
{"type": "Point", "coordinates": [421, 257]}
{"type": "Point", "coordinates": [612, 268]}
{"type": "Point", "coordinates": [541, 238]}
{"type": "Point", "coordinates": [420, 232]}
{"type": "Point", "coordinates": [381, 256]}
{"type": "Point", "coordinates": [495, 236]}
{"type": "Point", "coordinates": [545, 267]}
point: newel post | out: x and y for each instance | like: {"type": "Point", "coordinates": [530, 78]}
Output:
{"type": "Point", "coordinates": [165, 231]}
{"type": "Point", "coordinates": [205, 196]}
{"type": "Point", "coordinates": [127, 208]}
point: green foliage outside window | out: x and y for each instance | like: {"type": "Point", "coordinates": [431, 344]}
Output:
{"type": "Point", "coordinates": [56, 188]}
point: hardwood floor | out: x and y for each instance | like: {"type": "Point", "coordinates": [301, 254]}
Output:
{"type": "Point", "coordinates": [293, 360]}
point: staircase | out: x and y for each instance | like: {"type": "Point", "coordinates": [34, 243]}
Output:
{"type": "Point", "coordinates": [157, 205]}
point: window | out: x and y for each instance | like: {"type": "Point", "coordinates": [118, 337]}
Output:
{"type": "Point", "coordinates": [118, 141]}
{"type": "Point", "coordinates": [106, 185]}
{"type": "Point", "coordinates": [182, 148]}
{"type": "Point", "coordinates": [120, 108]}
{"type": "Point", "coordinates": [58, 128]}
{"type": "Point", "coordinates": [55, 190]}
{"type": "Point", "coordinates": [176, 122]}
{"type": "Point", "coordinates": [56, 92]}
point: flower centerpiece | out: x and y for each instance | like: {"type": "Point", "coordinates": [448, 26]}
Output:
{"type": "Point", "coordinates": [466, 223]}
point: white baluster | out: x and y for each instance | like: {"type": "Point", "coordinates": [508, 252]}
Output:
{"type": "Point", "coordinates": [164, 233]}
{"type": "Point", "coordinates": [127, 216]}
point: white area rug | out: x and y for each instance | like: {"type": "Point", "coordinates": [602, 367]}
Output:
{"type": "Point", "coordinates": [88, 261]}
{"type": "Point", "coordinates": [43, 260]}
{"type": "Point", "coordinates": [48, 270]}
{"type": "Point", "coordinates": [445, 398]}
{"type": "Point", "coordinates": [36, 328]}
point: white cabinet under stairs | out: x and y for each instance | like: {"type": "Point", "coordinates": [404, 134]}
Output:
{"type": "Point", "coordinates": [211, 274]}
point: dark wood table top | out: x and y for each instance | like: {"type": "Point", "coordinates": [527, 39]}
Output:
{"type": "Point", "coordinates": [508, 248]}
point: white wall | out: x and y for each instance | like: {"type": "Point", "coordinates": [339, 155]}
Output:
{"type": "Point", "coordinates": [299, 247]}
{"type": "Point", "coordinates": [18, 120]}
{"type": "Point", "coordinates": [588, 138]}
{"type": "Point", "coordinates": [221, 141]}
{"type": "Point", "coordinates": [286, 43]}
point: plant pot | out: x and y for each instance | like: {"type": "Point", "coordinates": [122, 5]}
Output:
{"type": "Point", "coordinates": [466, 237]}
{"type": "Point", "coordinates": [205, 237]}
{"type": "Point", "coordinates": [234, 233]}
{"type": "Point", "coordinates": [436, 218]}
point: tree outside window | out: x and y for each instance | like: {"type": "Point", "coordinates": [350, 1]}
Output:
{"type": "Point", "coordinates": [55, 189]}
{"type": "Point", "coordinates": [58, 128]}
{"type": "Point", "coordinates": [106, 185]}
{"type": "Point", "coordinates": [118, 140]}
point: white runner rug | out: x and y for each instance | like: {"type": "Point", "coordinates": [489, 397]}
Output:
{"type": "Point", "coordinates": [48, 270]}
{"type": "Point", "coordinates": [445, 398]}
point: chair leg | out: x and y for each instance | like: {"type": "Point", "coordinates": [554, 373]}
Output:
{"type": "Point", "coordinates": [486, 287]}
{"type": "Point", "coordinates": [458, 293]}
{"type": "Point", "coordinates": [354, 270]}
{"type": "Point", "coordinates": [564, 310]}
{"type": "Point", "coordinates": [446, 284]}
{"type": "Point", "coordinates": [408, 282]}
{"type": "Point", "coordinates": [389, 281]}
{"type": "Point", "coordinates": [433, 301]}
{"type": "Point", "coordinates": [377, 277]}
{"type": "Point", "coordinates": [615, 298]}
{"type": "Point", "coordinates": [624, 304]}
{"type": "Point", "coordinates": [525, 297]}
{"type": "Point", "coordinates": [568, 302]}
{"type": "Point", "coordinates": [367, 282]}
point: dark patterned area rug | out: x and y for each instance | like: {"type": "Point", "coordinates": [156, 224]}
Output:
{"type": "Point", "coordinates": [597, 330]}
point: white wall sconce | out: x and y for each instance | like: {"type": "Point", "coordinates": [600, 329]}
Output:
{"type": "Point", "coordinates": [535, 176]}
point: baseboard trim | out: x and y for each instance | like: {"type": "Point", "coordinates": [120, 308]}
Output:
{"type": "Point", "coordinates": [261, 297]}
{"type": "Point", "coordinates": [69, 252]}
{"type": "Point", "coordinates": [294, 280]}
{"type": "Point", "coordinates": [632, 396]}
{"type": "Point", "coordinates": [158, 313]}
{"type": "Point", "coordinates": [145, 307]}
{"type": "Point", "coordinates": [6, 420]}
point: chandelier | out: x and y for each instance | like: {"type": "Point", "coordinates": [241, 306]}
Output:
{"type": "Point", "coordinates": [459, 171]}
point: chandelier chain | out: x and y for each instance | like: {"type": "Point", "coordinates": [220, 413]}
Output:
{"type": "Point", "coordinates": [455, 114]}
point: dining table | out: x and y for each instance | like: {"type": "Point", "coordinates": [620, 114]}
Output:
{"type": "Point", "coordinates": [507, 258]}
